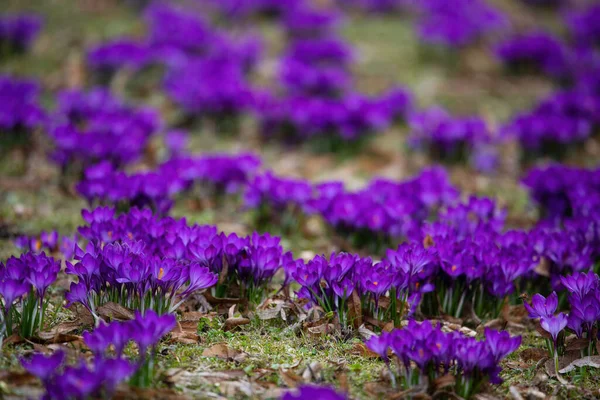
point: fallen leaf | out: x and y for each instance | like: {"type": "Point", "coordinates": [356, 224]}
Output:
{"type": "Point", "coordinates": [320, 330]}
{"type": "Point", "coordinates": [343, 382]}
{"type": "Point", "coordinates": [361, 350]}
{"type": "Point", "coordinates": [355, 310]}
{"type": "Point", "coordinates": [591, 361]}
{"type": "Point", "coordinates": [575, 343]}
{"type": "Point", "coordinates": [13, 339]}
{"type": "Point", "coordinates": [114, 311]}
{"type": "Point", "coordinates": [443, 381]}
{"type": "Point", "coordinates": [365, 333]}
{"type": "Point", "coordinates": [273, 308]}
{"type": "Point", "coordinates": [290, 378]}
{"type": "Point", "coordinates": [54, 338]}
{"type": "Point", "coordinates": [312, 373]}
{"type": "Point", "coordinates": [223, 351]}
{"type": "Point", "coordinates": [232, 323]}
{"type": "Point", "coordinates": [187, 335]}
{"type": "Point", "coordinates": [17, 378]}
{"type": "Point", "coordinates": [221, 300]}
{"type": "Point", "coordinates": [81, 321]}
{"type": "Point", "coordinates": [533, 354]}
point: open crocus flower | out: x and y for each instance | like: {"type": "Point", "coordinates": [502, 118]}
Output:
{"type": "Point", "coordinates": [542, 307]}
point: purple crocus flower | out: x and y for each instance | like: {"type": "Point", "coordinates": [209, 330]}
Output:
{"type": "Point", "coordinates": [100, 339]}
{"type": "Point", "coordinates": [500, 343]}
{"type": "Point", "coordinates": [580, 284]}
{"type": "Point", "coordinates": [44, 367]}
{"type": "Point", "coordinates": [542, 307]}
{"type": "Point", "coordinates": [11, 290]}
{"type": "Point", "coordinates": [18, 31]}
{"type": "Point", "coordinates": [554, 324]}
{"type": "Point", "coordinates": [150, 328]}
{"type": "Point", "coordinates": [313, 393]}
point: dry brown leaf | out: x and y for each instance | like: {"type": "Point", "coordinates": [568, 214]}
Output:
{"type": "Point", "coordinates": [54, 338]}
{"type": "Point", "coordinates": [13, 339]}
{"type": "Point", "coordinates": [575, 344]}
{"type": "Point", "coordinates": [221, 300]}
{"type": "Point", "coordinates": [290, 378]}
{"type": "Point", "coordinates": [361, 350]}
{"type": "Point", "coordinates": [443, 381]}
{"type": "Point", "coordinates": [273, 308]}
{"type": "Point", "coordinates": [343, 382]}
{"type": "Point", "coordinates": [81, 321]}
{"type": "Point", "coordinates": [114, 311]}
{"type": "Point", "coordinates": [232, 323]}
{"type": "Point", "coordinates": [186, 335]}
{"type": "Point", "coordinates": [355, 310]}
{"type": "Point", "coordinates": [533, 354]}
{"type": "Point", "coordinates": [591, 361]}
{"type": "Point", "coordinates": [17, 378]}
{"type": "Point", "coordinates": [223, 351]}
{"type": "Point", "coordinates": [320, 330]}
{"type": "Point", "coordinates": [312, 372]}
{"type": "Point", "coordinates": [543, 268]}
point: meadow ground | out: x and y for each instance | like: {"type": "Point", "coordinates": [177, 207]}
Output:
{"type": "Point", "coordinates": [266, 354]}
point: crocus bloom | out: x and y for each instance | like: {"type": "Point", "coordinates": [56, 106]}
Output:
{"type": "Point", "coordinates": [542, 307]}
{"type": "Point", "coordinates": [554, 324]}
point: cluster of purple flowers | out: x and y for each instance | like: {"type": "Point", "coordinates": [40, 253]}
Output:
{"type": "Point", "coordinates": [90, 127]}
{"type": "Point", "coordinates": [18, 32]}
{"type": "Point", "coordinates": [565, 119]}
{"type": "Point", "coordinates": [540, 51]}
{"type": "Point", "coordinates": [319, 103]}
{"type": "Point", "coordinates": [165, 253]}
{"type": "Point", "coordinates": [307, 22]}
{"type": "Point", "coordinates": [584, 298]}
{"type": "Point", "coordinates": [122, 273]}
{"type": "Point", "coordinates": [217, 173]}
{"type": "Point", "coordinates": [458, 23]}
{"type": "Point", "coordinates": [475, 261]}
{"type": "Point", "coordinates": [20, 111]}
{"type": "Point", "coordinates": [23, 285]}
{"type": "Point", "coordinates": [110, 366]}
{"type": "Point", "coordinates": [107, 58]}
{"type": "Point", "coordinates": [452, 139]}
{"type": "Point", "coordinates": [583, 25]}
{"type": "Point", "coordinates": [49, 241]}
{"type": "Point", "coordinates": [104, 185]}
{"type": "Point", "coordinates": [329, 283]}
{"type": "Point", "coordinates": [423, 350]}
{"type": "Point", "coordinates": [210, 87]}
{"type": "Point", "coordinates": [277, 201]}
{"type": "Point", "coordinates": [206, 68]}
{"type": "Point", "coordinates": [384, 209]}
{"type": "Point", "coordinates": [562, 192]}
{"type": "Point", "coordinates": [347, 119]}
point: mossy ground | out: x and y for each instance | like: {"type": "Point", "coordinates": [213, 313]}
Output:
{"type": "Point", "coordinates": [472, 83]}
